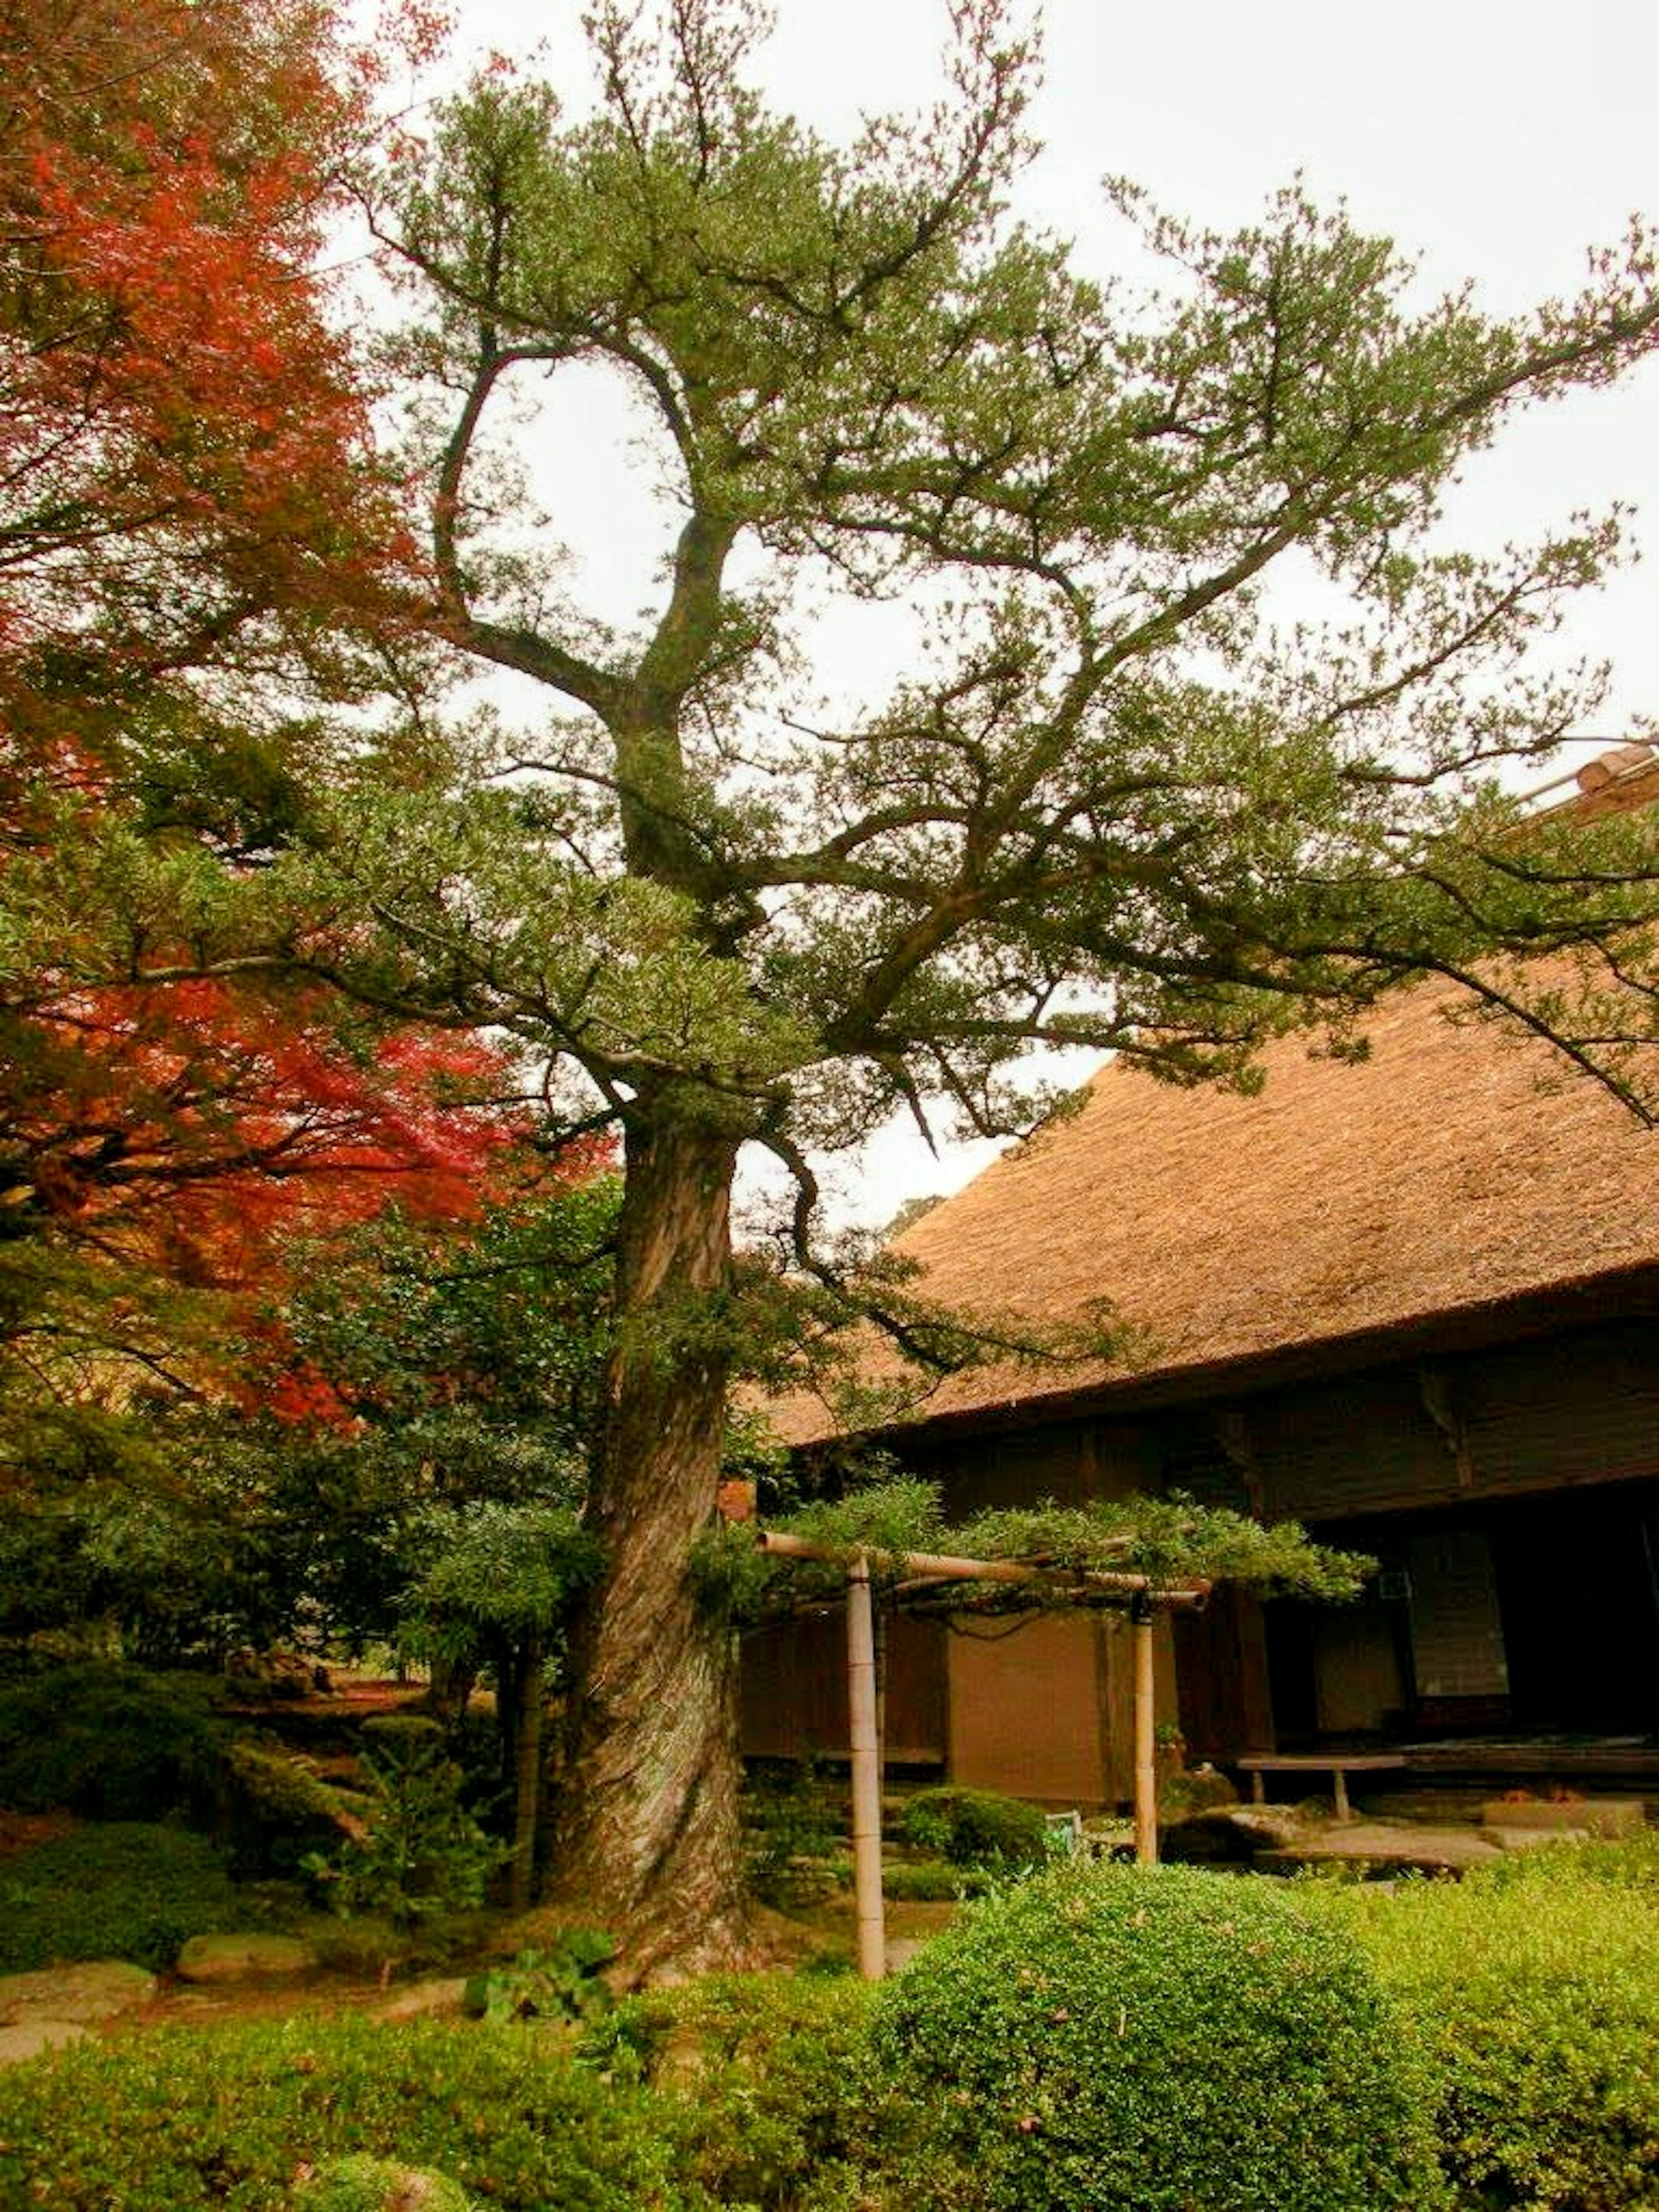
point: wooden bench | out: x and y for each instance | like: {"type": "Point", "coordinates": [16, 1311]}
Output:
{"type": "Point", "coordinates": [1339, 1765]}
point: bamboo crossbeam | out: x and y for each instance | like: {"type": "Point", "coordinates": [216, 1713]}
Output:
{"type": "Point", "coordinates": [1103, 1582]}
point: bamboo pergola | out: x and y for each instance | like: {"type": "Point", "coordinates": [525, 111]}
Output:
{"type": "Point", "coordinates": [926, 1575]}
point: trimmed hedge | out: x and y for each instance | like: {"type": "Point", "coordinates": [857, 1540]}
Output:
{"type": "Point", "coordinates": [127, 1890]}
{"type": "Point", "coordinates": [1532, 1991]}
{"type": "Point", "coordinates": [222, 2120]}
{"type": "Point", "coordinates": [764, 2078]}
{"type": "Point", "coordinates": [1154, 2040]}
{"type": "Point", "coordinates": [974, 1828]}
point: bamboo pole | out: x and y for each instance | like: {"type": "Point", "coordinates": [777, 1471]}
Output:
{"type": "Point", "coordinates": [867, 1772]}
{"type": "Point", "coordinates": [1142, 1621]}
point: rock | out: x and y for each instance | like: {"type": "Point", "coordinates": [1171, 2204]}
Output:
{"type": "Point", "coordinates": [29, 2040]}
{"type": "Point", "coordinates": [421, 2000]}
{"type": "Point", "coordinates": [56, 2005]}
{"type": "Point", "coordinates": [98, 1988]}
{"type": "Point", "coordinates": [1229, 1834]}
{"type": "Point", "coordinates": [1597, 1816]}
{"type": "Point", "coordinates": [259, 1677]}
{"type": "Point", "coordinates": [246, 1958]}
{"type": "Point", "coordinates": [1382, 1843]}
{"type": "Point", "coordinates": [1530, 1839]}
{"type": "Point", "coordinates": [1200, 1790]}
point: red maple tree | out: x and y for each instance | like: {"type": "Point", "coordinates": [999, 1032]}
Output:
{"type": "Point", "coordinates": [189, 502]}
{"type": "Point", "coordinates": [184, 453]}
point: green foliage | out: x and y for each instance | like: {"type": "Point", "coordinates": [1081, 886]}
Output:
{"type": "Point", "coordinates": [762, 2078]}
{"type": "Point", "coordinates": [424, 1854]}
{"type": "Point", "coordinates": [559, 1981]}
{"type": "Point", "coordinates": [378, 2185]}
{"type": "Point", "coordinates": [1530, 1989]}
{"type": "Point", "coordinates": [109, 1741]}
{"type": "Point", "coordinates": [1100, 2037]}
{"type": "Point", "coordinates": [884, 1519]}
{"type": "Point", "coordinates": [932, 1882]}
{"type": "Point", "coordinates": [790, 1828]}
{"type": "Point", "coordinates": [272, 1809]}
{"type": "Point", "coordinates": [1167, 1539]}
{"type": "Point", "coordinates": [975, 1828]}
{"type": "Point", "coordinates": [219, 2121]}
{"type": "Point", "coordinates": [127, 1890]}
{"type": "Point", "coordinates": [498, 1573]}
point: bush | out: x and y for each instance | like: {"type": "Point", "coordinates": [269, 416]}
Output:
{"type": "Point", "coordinates": [110, 1742]}
{"type": "Point", "coordinates": [763, 2076]}
{"type": "Point", "coordinates": [125, 1891]}
{"type": "Point", "coordinates": [424, 1855]}
{"type": "Point", "coordinates": [1155, 2040]}
{"type": "Point", "coordinates": [219, 2120]}
{"type": "Point", "coordinates": [564, 1980]}
{"type": "Point", "coordinates": [272, 1810]}
{"type": "Point", "coordinates": [1531, 1989]}
{"type": "Point", "coordinates": [378, 2185]}
{"type": "Point", "coordinates": [791, 1829]}
{"type": "Point", "coordinates": [931, 1882]}
{"type": "Point", "coordinates": [975, 1828]}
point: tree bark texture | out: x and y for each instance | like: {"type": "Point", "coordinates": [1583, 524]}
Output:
{"type": "Point", "coordinates": [649, 1838]}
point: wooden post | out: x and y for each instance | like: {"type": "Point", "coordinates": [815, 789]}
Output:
{"type": "Point", "coordinates": [866, 1771]}
{"type": "Point", "coordinates": [1142, 1619]}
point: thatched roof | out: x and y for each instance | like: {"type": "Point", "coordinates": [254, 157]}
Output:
{"type": "Point", "coordinates": [1455, 1170]}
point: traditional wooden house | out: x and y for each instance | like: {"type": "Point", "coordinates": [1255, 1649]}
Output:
{"type": "Point", "coordinates": [1411, 1302]}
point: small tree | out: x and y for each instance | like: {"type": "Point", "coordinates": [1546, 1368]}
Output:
{"type": "Point", "coordinates": [499, 1593]}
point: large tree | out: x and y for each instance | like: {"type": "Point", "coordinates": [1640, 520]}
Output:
{"type": "Point", "coordinates": [1109, 805]}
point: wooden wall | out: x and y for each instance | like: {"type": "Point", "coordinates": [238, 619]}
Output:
{"type": "Point", "coordinates": [1520, 1441]}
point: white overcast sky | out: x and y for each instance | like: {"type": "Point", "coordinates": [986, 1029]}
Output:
{"type": "Point", "coordinates": [1496, 140]}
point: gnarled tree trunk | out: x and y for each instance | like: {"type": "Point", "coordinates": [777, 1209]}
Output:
{"type": "Point", "coordinates": [648, 1834]}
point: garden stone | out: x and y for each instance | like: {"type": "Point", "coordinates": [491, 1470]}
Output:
{"type": "Point", "coordinates": [54, 2005]}
{"type": "Point", "coordinates": [1229, 1834]}
{"type": "Point", "coordinates": [424, 2000]}
{"type": "Point", "coordinates": [245, 1958]}
{"type": "Point", "coordinates": [94, 1990]}
{"type": "Point", "coordinates": [30, 2038]}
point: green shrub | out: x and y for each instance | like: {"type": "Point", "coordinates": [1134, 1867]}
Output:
{"type": "Point", "coordinates": [124, 1891]}
{"type": "Point", "coordinates": [219, 2120]}
{"type": "Point", "coordinates": [761, 2076]}
{"type": "Point", "coordinates": [424, 1853]}
{"type": "Point", "coordinates": [562, 1980]}
{"type": "Point", "coordinates": [378, 2185]}
{"type": "Point", "coordinates": [791, 1827]}
{"type": "Point", "coordinates": [975, 1828]}
{"type": "Point", "coordinates": [1533, 1992]}
{"type": "Point", "coordinates": [272, 1810]}
{"type": "Point", "coordinates": [1155, 2040]}
{"type": "Point", "coordinates": [109, 1741]}
{"type": "Point", "coordinates": [931, 1882]}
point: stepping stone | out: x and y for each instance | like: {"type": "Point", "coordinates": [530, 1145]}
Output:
{"type": "Point", "coordinates": [1429, 1850]}
{"type": "Point", "coordinates": [96, 1989]}
{"type": "Point", "coordinates": [28, 2041]}
{"type": "Point", "coordinates": [56, 2005]}
{"type": "Point", "coordinates": [422, 2000]}
{"type": "Point", "coordinates": [246, 1958]}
